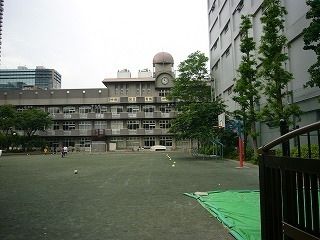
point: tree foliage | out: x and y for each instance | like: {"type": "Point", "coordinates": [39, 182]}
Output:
{"type": "Point", "coordinates": [247, 86]}
{"type": "Point", "coordinates": [7, 119]}
{"type": "Point", "coordinates": [311, 37]}
{"type": "Point", "coordinates": [197, 121]}
{"type": "Point", "coordinates": [33, 120]}
{"type": "Point", "coordinates": [273, 57]}
{"type": "Point", "coordinates": [197, 113]}
{"type": "Point", "coordinates": [189, 86]}
{"type": "Point", "coordinates": [30, 121]}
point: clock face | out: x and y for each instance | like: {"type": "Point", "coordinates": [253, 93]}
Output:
{"type": "Point", "coordinates": [164, 80]}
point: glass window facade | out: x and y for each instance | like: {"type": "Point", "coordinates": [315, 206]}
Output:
{"type": "Point", "coordinates": [23, 77]}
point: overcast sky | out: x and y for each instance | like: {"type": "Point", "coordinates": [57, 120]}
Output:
{"type": "Point", "coordinates": [87, 41]}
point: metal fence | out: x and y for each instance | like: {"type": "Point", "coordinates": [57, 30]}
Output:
{"type": "Point", "coordinates": [289, 172]}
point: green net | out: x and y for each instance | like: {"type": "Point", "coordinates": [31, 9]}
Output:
{"type": "Point", "coordinates": [239, 211]}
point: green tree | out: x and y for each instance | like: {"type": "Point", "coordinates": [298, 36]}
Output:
{"type": "Point", "coordinates": [311, 37]}
{"type": "Point", "coordinates": [272, 71]}
{"type": "Point", "coordinates": [198, 114]}
{"type": "Point", "coordinates": [197, 121]}
{"type": "Point", "coordinates": [33, 120]}
{"type": "Point", "coordinates": [247, 86]}
{"type": "Point", "coordinates": [7, 119]}
{"type": "Point", "coordinates": [189, 86]}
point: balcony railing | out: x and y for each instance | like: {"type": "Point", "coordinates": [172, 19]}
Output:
{"type": "Point", "coordinates": [109, 115]}
{"type": "Point", "coordinates": [103, 132]}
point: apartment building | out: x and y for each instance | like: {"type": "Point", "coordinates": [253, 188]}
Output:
{"type": "Point", "coordinates": [127, 113]}
{"type": "Point", "coordinates": [224, 18]}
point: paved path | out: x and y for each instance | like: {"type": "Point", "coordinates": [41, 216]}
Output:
{"type": "Point", "coordinates": [114, 196]}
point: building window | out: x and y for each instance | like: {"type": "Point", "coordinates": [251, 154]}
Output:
{"type": "Point", "coordinates": [85, 142]}
{"type": "Point", "coordinates": [56, 125]}
{"type": "Point", "coordinates": [166, 141]}
{"type": "Point", "coordinates": [68, 142]}
{"type": "Point", "coordinates": [100, 125]}
{"type": "Point", "coordinates": [53, 110]}
{"type": "Point", "coordinates": [226, 28]}
{"type": "Point", "coordinates": [165, 108]}
{"type": "Point", "coordinates": [149, 124]}
{"type": "Point", "coordinates": [133, 141]}
{"type": "Point", "coordinates": [85, 109]}
{"type": "Point", "coordinates": [68, 125]}
{"type": "Point", "coordinates": [227, 52]}
{"type": "Point", "coordinates": [116, 139]}
{"type": "Point", "coordinates": [148, 108]}
{"type": "Point", "coordinates": [121, 89]}
{"type": "Point", "coordinates": [213, 7]}
{"type": "Point", "coordinates": [164, 92]}
{"type": "Point", "coordinates": [165, 124]}
{"type": "Point", "coordinates": [116, 89]}
{"type": "Point", "coordinates": [133, 124]}
{"type": "Point", "coordinates": [99, 108]}
{"type": "Point", "coordinates": [143, 86]}
{"type": "Point", "coordinates": [24, 108]}
{"type": "Point", "coordinates": [240, 6]}
{"type": "Point", "coordinates": [85, 125]}
{"type": "Point", "coordinates": [216, 66]}
{"type": "Point", "coordinates": [133, 109]}
{"type": "Point", "coordinates": [215, 45]}
{"type": "Point", "coordinates": [148, 88]}
{"type": "Point", "coordinates": [116, 109]}
{"type": "Point", "coordinates": [116, 125]}
{"type": "Point", "coordinates": [149, 141]}
{"type": "Point", "coordinates": [69, 109]}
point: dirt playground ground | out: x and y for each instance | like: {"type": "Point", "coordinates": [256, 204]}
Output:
{"type": "Point", "coordinates": [127, 196]}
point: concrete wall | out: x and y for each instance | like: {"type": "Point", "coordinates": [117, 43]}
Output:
{"type": "Point", "coordinates": [223, 68]}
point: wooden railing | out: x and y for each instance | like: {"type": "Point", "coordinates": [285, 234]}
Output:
{"type": "Point", "coordinates": [289, 186]}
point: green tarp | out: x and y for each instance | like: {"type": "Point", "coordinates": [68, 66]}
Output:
{"type": "Point", "coordinates": [239, 211]}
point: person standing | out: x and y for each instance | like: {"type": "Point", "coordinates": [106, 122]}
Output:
{"type": "Point", "coordinates": [65, 150]}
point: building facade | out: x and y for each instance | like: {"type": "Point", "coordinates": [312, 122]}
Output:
{"type": "Point", "coordinates": [24, 78]}
{"type": "Point", "coordinates": [224, 18]}
{"type": "Point", "coordinates": [126, 114]}
{"type": "Point", "coordinates": [1, 17]}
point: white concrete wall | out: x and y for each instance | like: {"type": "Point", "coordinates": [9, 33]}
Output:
{"type": "Point", "coordinates": [298, 63]}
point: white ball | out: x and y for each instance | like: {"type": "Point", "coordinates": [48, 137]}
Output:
{"type": "Point", "coordinates": [75, 171]}
{"type": "Point", "coordinates": [173, 165]}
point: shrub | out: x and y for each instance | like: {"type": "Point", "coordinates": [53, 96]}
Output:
{"type": "Point", "coordinates": [305, 152]}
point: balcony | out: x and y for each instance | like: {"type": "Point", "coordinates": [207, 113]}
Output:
{"type": "Point", "coordinates": [83, 115]}
{"type": "Point", "coordinates": [148, 114]}
{"type": "Point", "coordinates": [99, 116]}
{"type": "Point", "coordinates": [115, 115]}
{"type": "Point", "coordinates": [132, 132]}
{"type": "Point", "coordinates": [101, 133]}
{"type": "Point", "coordinates": [132, 115]}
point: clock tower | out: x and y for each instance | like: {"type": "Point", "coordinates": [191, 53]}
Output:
{"type": "Point", "coordinates": [163, 70]}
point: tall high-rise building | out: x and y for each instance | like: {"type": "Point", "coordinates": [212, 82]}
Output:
{"type": "Point", "coordinates": [24, 78]}
{"type": "Point", "coordinates": [224, 18]}
{"type": "Point", "coordinates": [1, 17]}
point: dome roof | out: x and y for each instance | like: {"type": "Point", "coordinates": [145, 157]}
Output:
{"type": "Point", "coordinates": [163, 57]}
